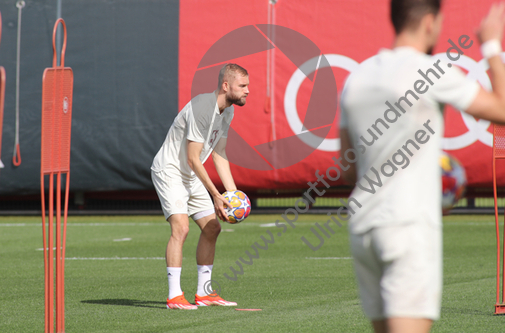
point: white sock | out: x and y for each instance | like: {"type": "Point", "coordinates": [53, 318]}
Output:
{"type": "Point", "coordinates": [204, 275]}
{"type": "Point", "coordinates": [174, 282]}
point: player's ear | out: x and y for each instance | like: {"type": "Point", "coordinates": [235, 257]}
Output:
{"type": "Point", "coordinates": [439, 19]}
{"type": "Point", "coordinates": [427, 22]}
{"type": "Point", "coordinates": [226, 86]}
{"type": "Point", "coordinates": [434, 27]}
{"type": "Point", "coordinates": [432, 23]}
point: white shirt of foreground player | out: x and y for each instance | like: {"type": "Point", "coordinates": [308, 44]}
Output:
{"type": "Point", "coordinates": [411, 185]}
{"type": "Point", "coordinates": [198, 121]}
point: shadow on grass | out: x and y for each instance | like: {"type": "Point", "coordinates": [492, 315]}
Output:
{"type": "Point", "coordinates": [128, 302]}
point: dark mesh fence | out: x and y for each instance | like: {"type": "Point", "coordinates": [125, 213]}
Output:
{"type": "Point", "coordinates": [124, 54]}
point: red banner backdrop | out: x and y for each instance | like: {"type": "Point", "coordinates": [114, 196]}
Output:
{"type": "Point", "coordinates": [347, 33]}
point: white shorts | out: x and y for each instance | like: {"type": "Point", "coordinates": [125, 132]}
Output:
{"type": "Point", "coordinates": [182, 197]}
{"type": "Point", "coordinates": [399, 270]}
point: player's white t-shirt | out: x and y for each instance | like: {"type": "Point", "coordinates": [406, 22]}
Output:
{"type": "Point", "coordinates": [198, 121]}
{"type": "Point", "coordinates": [412, 192]}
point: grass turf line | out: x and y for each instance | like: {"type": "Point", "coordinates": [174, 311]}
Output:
{"type": "Point", "coordinates": [296, 294]}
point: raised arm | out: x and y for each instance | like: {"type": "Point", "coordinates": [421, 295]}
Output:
{"type": "Point", "coordinates": [194, 150]}
{"type": "Point", "coordinates": [491, 105]}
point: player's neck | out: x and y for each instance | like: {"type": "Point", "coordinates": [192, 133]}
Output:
{"type": "Point", "coordinates": [413, 39]}
{"type": "Point", "coordinates": [222, 103]}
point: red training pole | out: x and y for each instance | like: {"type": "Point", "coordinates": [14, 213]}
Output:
{"type": "Point", "coordinates": [57, 91]}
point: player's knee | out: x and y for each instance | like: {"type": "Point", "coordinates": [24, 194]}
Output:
{"type": "Point", "coordinates": [180, 233]}
{"type": "Point", "coordinates": [213, 228]}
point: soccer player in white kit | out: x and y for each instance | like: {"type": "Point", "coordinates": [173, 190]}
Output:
{"type": "Point", "coordinates": [392, 122]}
{"type": "Point", "coordinates": [183, 185]}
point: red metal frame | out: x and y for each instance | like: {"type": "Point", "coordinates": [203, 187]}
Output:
{"type": "Point", "coordinates": [498, 153]}
{"type": "Point", "coordinates": [57, 86]}
{"type": "Point", "coordinates": [2, 93]}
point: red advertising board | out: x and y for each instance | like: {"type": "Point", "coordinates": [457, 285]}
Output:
{"type": "Point", "coordinates": [347, 33]}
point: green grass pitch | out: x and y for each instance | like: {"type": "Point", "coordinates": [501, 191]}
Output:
{"type": "Point", "coordinates": [115, 278]}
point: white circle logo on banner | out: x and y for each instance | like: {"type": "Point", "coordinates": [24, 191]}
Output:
{"type": "Point", "coordinates": [477, 129]}
{"type": "Point", "coordinates": [290, 96]}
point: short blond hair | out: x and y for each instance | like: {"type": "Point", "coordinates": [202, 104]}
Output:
{"type": "Point", "coordinates": [227, 72]}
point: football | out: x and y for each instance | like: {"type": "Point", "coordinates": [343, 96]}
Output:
{"type": "Point", "coordinates": [453, 181]}
{"type": "Point", "coordinates": [241, 206]}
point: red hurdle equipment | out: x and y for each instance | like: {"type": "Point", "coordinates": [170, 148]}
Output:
{"type": "Point", "coordinates": [57, 87]}
{"type": "Point", "coordinates": [2, 97]}
{"type": "Point", "coordinates": [498, 153]}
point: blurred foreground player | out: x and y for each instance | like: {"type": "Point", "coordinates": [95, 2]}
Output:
{"type": "Point", "coordinates": [392, 116]}
{"type": "Point", "coordinates": [181, 181]}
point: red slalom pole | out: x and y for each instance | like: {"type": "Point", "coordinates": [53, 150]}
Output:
{"type": "Point", "coordinates": [59, 309]}
{"type": "Point", "coordinates": [498, 153]}
{"type": "Point", "coordinates": [51, 255]}
{"type": "Point", "coordinates": [57, 91]}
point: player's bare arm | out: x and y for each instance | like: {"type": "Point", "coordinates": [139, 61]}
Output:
{"type": "Point", "coordinates": [349, 175]}
{"type": "Point", "coordinates": [222, 165]}
{"type": "Point", "coordinates": [491, 105]}
{"type": "Point", "coordinates": [194, 150]}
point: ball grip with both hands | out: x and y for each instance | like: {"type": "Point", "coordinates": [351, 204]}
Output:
{"type": "Point", "coordinates": [241, 206]}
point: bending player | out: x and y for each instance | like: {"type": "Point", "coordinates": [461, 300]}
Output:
{"type": "Point", "coordinates": [183, 185]}
{"type": "Point", "coordinates": [396, 237]}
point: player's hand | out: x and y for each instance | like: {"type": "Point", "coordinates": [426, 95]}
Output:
{"type": "Point", "coordinates": [219, 203]}
{"type": "Point", "coordinates": [493, 24]}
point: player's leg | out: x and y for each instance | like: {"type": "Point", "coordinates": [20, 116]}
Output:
{"type": "Point", "coordinates": [411, 325]}
{"type": "Point", "coordinates": [173, 198]}
{"type": "Point", "coordinates": [206, 248]}
{"type": "Point", "coordinates": [179, 225]}
{"type": "Point", "coordinates": [411, 284]}
{"type": "Point", "coordinates": [368, 272]}
{"type": "Point", "coordinates": [206, 295]}
{"type": "Point", "coordinates": [202, 210]}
